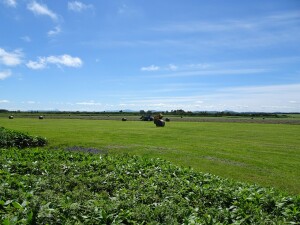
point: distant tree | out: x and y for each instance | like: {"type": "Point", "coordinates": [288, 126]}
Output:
{"type": "Point", "coordinates": [180, 111]}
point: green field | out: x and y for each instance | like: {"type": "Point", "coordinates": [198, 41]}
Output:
{"type": "Point", "coordinates": [266, 154]}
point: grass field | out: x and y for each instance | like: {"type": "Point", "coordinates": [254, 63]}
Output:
{"type": "Point", "coordinates": [266, 154]}
{"type": "Point", "coordinates": [280, 119]}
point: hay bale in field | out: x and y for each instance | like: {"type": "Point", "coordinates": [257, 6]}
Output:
{"type": "Point", "coordinates": [41, 117]}
{"type": "Point", "coordinates": [167, 120]}
{"type": "Point", "coordinates": [11, 117]}
{"type": "Point", "coordinates": [124, 119]}
{"type": "Point", "coordinates": [147, 118]}
{"type": "Point", "coordinates": [160, 123]}
{"type": "Point", "coordinates": [158, 120]}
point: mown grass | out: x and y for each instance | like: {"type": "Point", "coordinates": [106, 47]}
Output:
{"type": "Point", "coordinates": [266, 154]}
{"type": "Point", "coordinates": [268, 119]}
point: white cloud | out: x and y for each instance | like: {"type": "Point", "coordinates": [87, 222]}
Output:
{"type": "Point", "coordinates": [5, 74]}
{"type": "Point", "coordinates": [36, 65]}
{"type": "Point", "coordinates": [200, 26]}
{"type": "Point", "coordinates": [280, 19]}
{"type": "Point", "coordinates": [290, 16]}
{"type": "Point", "coordinates": [65, 60]}
{"type": "Point", "coordinates": [258, 31]}
{"type": "Point", "coordinates": [215, 72]}
{"type": "Point", "coordinates": [77, 6]}
{"type": "Point", "coordinates": [172, 67]}
{"type": "Point", "coordinates": [10, 58]}
{"type": "Point", "coordinates": [89, 103]}
{"type": "Point", "coordinates": [4, 101]}
{"type": "Point", "coordinates": [26, 38]}
{"type": "Point", "coordinates": [39, 9]}
{"type": "Point", "coordinates": [54, 32]}
{"type": "Point", "coordinates": [267, 89]}
{"type": "Point", "coordinates": [10, 3]}
{"type": "Point", "coordinates": [269, 98]}
{"type": "Point", "coordinates": [62, 60]}
{"type": "Point", "coordinates": [150, 68]}
{"type": "Point", "coordinates": [29, 102]}
{"type": "Point", "coordinates": [198, 66]}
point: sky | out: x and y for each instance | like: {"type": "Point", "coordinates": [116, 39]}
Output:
{"type": "Point", "coordinates": [195, 55]}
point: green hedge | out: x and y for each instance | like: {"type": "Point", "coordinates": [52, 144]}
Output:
{"type": "Point", "coordinates": [10, 138]}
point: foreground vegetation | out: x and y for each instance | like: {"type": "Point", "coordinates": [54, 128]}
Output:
{"type": "Point", "coordinates": [10, 138]}
{"type": "Point", "coordinates": [67, 185]}
{"type": "Point", "coordinates": [39, 186]}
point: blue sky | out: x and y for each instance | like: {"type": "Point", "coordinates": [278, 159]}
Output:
{"type": "Point", "coordinates": [102, 55]}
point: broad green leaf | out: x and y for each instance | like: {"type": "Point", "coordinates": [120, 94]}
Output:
{"type": "Point", "coordinates": [17, 205]}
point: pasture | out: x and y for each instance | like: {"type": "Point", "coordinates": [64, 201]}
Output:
{"type": "Point", "coordinates": [261, 153]}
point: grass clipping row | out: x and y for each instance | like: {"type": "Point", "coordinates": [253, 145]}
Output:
{"type": "Point", "coordinates": [61, 187]}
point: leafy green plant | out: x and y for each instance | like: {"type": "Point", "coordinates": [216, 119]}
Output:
{"type": "Point", "coordinates": [10, 138]}
{"type": "Point", "coordinates": [39, 186]}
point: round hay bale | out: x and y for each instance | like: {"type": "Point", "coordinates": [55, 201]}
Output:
{"type": "Point", "coordinates": [41, 117]}
{"type": "Point", "coordinates": [124, 119]}
{"type": "Point", "coordinates": [147, 118]}
{"type": "Point", "coordinates": [167, 120]}
{"type": "Point", "coordinates": [160, 123]}
{"type": "Point", "coordinates": [11, 117]}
